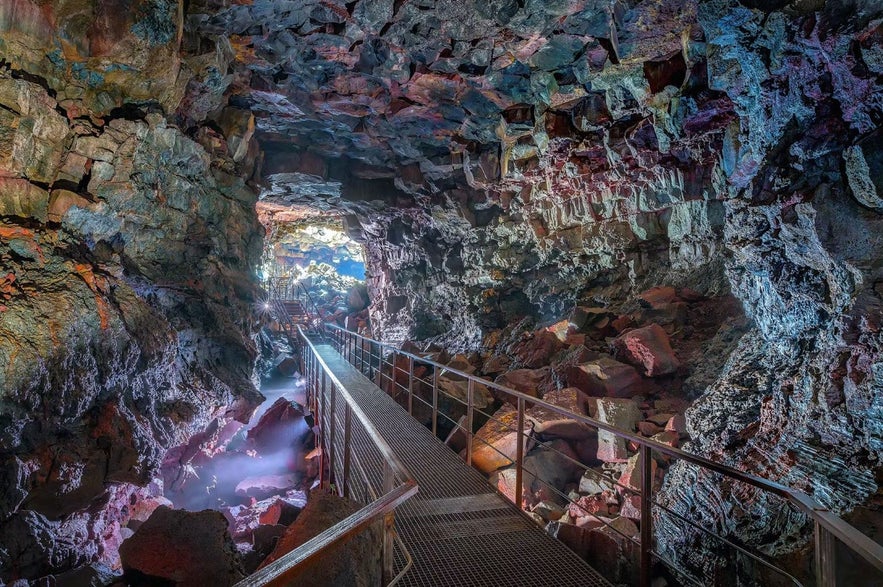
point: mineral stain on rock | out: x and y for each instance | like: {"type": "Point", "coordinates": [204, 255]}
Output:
{"type": "Point", "coordinates": [675, 204]}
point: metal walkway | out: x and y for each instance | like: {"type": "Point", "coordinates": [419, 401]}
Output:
{"type": "Point", "coordinates": [459, 531]}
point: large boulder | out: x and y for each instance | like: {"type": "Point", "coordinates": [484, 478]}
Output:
{"type": "Point", "coordinates": [457, 386]}
{"type": "Point", "coordinates": [620, 413]}
{"type": "Point", "coordinates": [186, 548]}
{"type": "Point", "coordinates": [647, 348]}
{"type": "Point", "coordinates": [281, 426]}
{"type": "Point", "coordinates": [355, 562]}
{"type": "Point", "coordinates": [606, 377]}
{"type": "Point", "coordinates": [495, 445]}
{"type": "Point", "coordinates": [537, 349]}
{"type": "Point", "coordinates": [533, 382]}
{"type": "Point", "coordinates": [552, 424]}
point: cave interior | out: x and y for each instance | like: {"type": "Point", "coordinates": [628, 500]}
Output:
{"type": "Point", "coordinates": [662, 215]}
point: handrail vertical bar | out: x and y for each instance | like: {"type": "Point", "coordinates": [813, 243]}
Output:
{"type": "Point", "coordinates": [519, 456]}
{"type": "Point", "coordinates": [347, 450]}
{"type": "Point", "coordinates": [825, 557]}
{"type": "Point", "coordinates": [470, 392]}
{"type": "Point", "coordinates": [411, 386]}
{"type": "Point", "coordinates": [646, 458]}
{"type": "Point", "coordinates": [393, 385]}
{"type": "Point", "coordinates": [331, 429]}
{"type": "Point", "coordinates": [435, 402]}
{"type": "Point", "coordinates": [388, 569]}
{"type": "Point", "coordinates": [323, 459]}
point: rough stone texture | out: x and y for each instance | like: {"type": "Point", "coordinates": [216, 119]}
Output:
{"type": "Point", "coordinates": [501, 162]}
{"type": "Point", "coordinates": [622, 414]}
{"type": "Point", "coordinates": [355, 562]}
{"type": "Point", "coordinates": [127, 253]}
{"type": "Point", "coordinates": [495, 445]}
{"type": "Point", "coordinates": [186, 548]}
{"type": "Point", "coordinates": [649, 349]}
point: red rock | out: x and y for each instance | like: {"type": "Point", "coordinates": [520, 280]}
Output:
{"type": "Point", "coordinates": [677, 423]}
{"type": "Point", "coordinates": [648, 428]}
{"type": "Point", "coordinates": [649, 349]}
{"type": "Point", "coordinates": [495, 445]}
{"type": "Point", "coordinates": [187, 548]}
{"type": "Point", "coordinates": [622, 322]}
{"type": "Point", "coordinates": [632, 475]}
{"type": "Point", "coordinates": [606, 377]}
{"type": "Point", "coordinates": [537, 350]}
{"type": "Point", "coordinates": [589, 504]}
{"type": "Point", "coordinates": [531, 382]}
{"type": "Point", "coordinates": [553, 424]}
{"type": "Point", "coordinates": [660, 295]}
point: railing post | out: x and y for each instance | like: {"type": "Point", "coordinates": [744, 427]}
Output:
{"type": "Point", "coordinates": [347, 450]}
{"type": "Point", "coordinates": [393, 385]}
{"type": "Point", "coordinates": [646, 458]}
{"type": "Point", "coordinates": [323, 429]}
{"type": "Point", "coordinates": [388, 529]}
{"type": "Point", "coordinates": [519, 456]}
{"type": "Point", "coordinates": [825, 555]}
{"type": "Point", "coordinates": [379, 366]}
{"type": "Point", "coordinates": [470, 391]}
{"type": "Point", "coordinates": [435, 401]}
{"type": "Point", "coordinates": [331, 428]}
{"type": "Point", "coordinates": [411, 386]}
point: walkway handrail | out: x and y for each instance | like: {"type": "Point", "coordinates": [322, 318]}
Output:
{"type": "Point", "coordinates": [382, 507]}
{"type": "Point", "coordinates": [827, 524]}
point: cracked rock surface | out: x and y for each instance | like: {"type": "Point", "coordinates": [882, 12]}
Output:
{"type": "Point", "coordinates": [500, 161]}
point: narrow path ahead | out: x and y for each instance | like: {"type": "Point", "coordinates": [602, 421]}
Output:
{"type": "Point", "coordinates": [458, 529]}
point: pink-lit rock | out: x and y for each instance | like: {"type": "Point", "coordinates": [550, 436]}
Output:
{"type": "Point", "coordinates": [649, 349]}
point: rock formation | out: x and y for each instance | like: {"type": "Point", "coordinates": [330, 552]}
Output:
{"type": "Point", "coordinates": [589, 166]}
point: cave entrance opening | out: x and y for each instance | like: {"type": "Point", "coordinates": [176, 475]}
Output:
{"type": "Point", "coordinates": [316, 252]}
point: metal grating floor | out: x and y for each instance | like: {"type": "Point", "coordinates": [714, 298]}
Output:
{"type": "Point", "coordinates": [458, 529]}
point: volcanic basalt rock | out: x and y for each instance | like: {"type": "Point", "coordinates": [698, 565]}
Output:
{"type": "Point", "coordinates": [520, 175]}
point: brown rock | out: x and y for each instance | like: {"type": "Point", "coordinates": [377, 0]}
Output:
{"type": "Point", "coordinates": [532, 382]}
{"type": "Point", "coordinates": [63, 200]}
{"type": "Point", "coordinates": [648, 428]}
{"type": "Point", "coordinates": [187, 548]}
{"type": "Point", "coordinates": [659, 296]}
{"type": "Point", "coordinates": [623, 414]}
{"type": "Point", "coordinates": [632, 476]}
{"type": "Point", "coordinates": [677, 423]}
{"type": "Point", "coordinates": [649, 349]}
{"type": "Point", "coordinates": [457, 386]}
{"type": "Point", "coordinates": [553, 424]}
{"type": "Point", "coordinates": [495, 445]}
{"type": "Point", "coordinates": [537, 350]}
{"type": "Point", "coordinates": [355, 562]}
{"type": "Point", "coordinates": [606, 377]}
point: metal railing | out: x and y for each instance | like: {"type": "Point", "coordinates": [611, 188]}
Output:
{"type": "Point", "coordinates": [380, 361]}
{"type": "Point", "coordinates": [355, 462]}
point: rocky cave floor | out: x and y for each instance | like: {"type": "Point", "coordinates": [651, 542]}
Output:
{"type": "Point", "coordinates": [637, 366]}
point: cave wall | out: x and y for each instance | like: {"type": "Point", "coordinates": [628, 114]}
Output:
{"type": "Point", "coordinates": [499, 159]}
{"type": "Point", "coordinates": [127, 251]}
{"type": "Point", "coordinates": [557, 152]}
